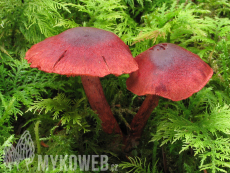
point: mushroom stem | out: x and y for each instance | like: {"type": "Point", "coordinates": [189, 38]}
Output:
{"type": "Point", "coordinates": [98, 102]}
{"type": "Point", "coordinates": [139, 121]}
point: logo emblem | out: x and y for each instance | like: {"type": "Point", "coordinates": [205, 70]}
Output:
{"type": "Point", "coordinates": [23, 151]}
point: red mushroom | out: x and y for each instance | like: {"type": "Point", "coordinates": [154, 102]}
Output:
{"type": "Point", "coordinates": [90, 53]}
{"type": "Point", "coordinates": [165, 70]}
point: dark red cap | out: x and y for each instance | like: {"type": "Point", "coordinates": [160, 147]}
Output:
{"type": "Point", "coordinates": [82, 51]}
{"type": "Point", "coordinates": [169, 71]}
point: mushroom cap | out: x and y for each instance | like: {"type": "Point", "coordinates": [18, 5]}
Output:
{"type": "Point", "coordinates": [169, 71]}
{"type": "Point", "coordinates": [82, 51]}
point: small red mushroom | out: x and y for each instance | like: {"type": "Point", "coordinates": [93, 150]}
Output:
{"type": "Point", "coordinates": [90, 53]}
{"type": "Point", "coordinates": [165, 70]}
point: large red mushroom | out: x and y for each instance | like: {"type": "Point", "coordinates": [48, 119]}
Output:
{"type": "Point", "coordinates": [165, 70]}
{"type": "Point", "coordinates": [90, 53]}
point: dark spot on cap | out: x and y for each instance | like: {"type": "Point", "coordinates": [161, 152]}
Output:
{"type": "Point", "coordinates": [161, 88]}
